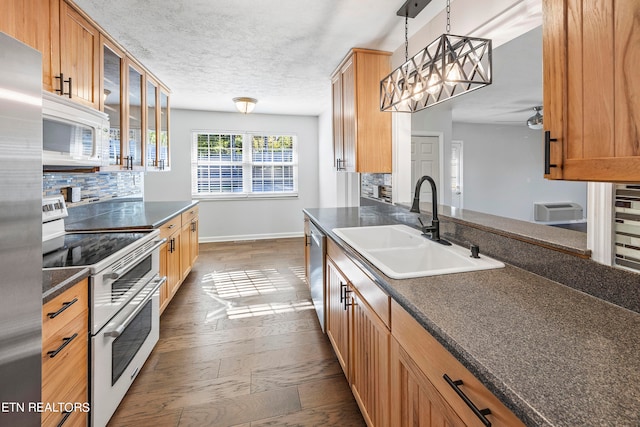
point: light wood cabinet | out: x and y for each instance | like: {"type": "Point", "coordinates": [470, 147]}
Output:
{"type": "Point", "coordinates": [65, 335]}
{"type": "Point", "coordinates": [179, 253]}
{"type": "Point", "coordinates": [591, 103]}
{"type": "Point", "coordinates": [37, 24]}
{"type": "Point", "coordinates": [359, 333]}
{"type": "Point", "coordinates": [420, 367]}
{"type": "Point", "coordinates": [79, 57]}
{"type": "Point", "coordinates": [361, 132]}
{"type": "Point", "coordinates": [189, 237]}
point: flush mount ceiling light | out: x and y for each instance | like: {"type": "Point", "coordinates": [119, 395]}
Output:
{"type": "Point", "coordinates": [448, 67]}
{"type": "Point", "coordinates": [245, 105]}
{"type": "Point", "coordinates": [535, 121]}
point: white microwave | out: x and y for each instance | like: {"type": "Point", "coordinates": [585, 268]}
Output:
{"type": "Point", "coordinates": [73, 134]}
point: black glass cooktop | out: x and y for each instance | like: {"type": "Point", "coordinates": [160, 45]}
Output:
{"type": "Point", "coordinates": [84, 249]}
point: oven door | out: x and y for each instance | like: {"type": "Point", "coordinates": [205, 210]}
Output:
{"type": "Point", "coordinates": [115, 286]}
{"type": "Point", "coordinates": [120, 349]}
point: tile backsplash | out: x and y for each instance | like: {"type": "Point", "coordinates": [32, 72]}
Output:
{"type": "Point", "coordinates": [376, 186]}
{"type": "Point", "coordinates": [94, 186]}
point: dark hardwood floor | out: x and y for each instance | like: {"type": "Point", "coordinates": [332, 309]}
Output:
{"type": "Point", "coordinates": [240, 345]}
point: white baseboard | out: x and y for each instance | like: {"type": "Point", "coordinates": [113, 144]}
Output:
{"type": "Point", "coordinates": [241, 237]}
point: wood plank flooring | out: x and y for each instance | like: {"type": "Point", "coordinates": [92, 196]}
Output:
{"type": "Point", "coordinates": [240, 345]}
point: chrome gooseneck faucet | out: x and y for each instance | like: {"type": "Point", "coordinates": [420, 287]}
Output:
{"type": "Point", "coordinates": [434, 228]}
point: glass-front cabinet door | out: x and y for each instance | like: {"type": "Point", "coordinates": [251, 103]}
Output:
{"type": "Point", "coordinates": [163, 141]}
{"type": "Point", "coordinates": [111, 101]}
{"type": "Point", "coordinates": [152, 121]}
{"type": "Point", "coordinates": [133, 158]}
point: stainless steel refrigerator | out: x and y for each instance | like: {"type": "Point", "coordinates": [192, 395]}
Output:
{"type": "Point", "coordinates": [20, 232]}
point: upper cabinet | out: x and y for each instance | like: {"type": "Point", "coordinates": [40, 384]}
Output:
{"type": "Point", "coordinates": [79, 58]}
{"type": "Point", "coordinates": [591, 87]}
{"type": "Point", "coordinates": [361, 132]}
{"type": "Point", "coordinates": [82, 62]}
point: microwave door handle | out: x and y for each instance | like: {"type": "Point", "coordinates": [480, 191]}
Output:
{"type": "Point", "coordinates": [115, 275]}
{"type": "Point", "coordinates": [116, 332]}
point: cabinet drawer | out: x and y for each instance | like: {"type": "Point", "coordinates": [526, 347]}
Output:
{"type": "Point", "coordinates": [66, 306]}
{"type": "Point", "coordinates": [67, 370]}
{"type": "Point", "coordinates": [189, 214]}
{"type": "Point", "coordinates": [435, 361]}
{"type": "Point", "coordinates": [170, 227]}
{"type": "Point", "coordinates": [77, 418]}
{"type": "Point", "coordinates": [377, 299]}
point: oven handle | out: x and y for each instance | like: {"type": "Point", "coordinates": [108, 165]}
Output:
{"type": "Point", "coordinates": [115, 275]}
{"type": "Point", "coordinates": [115, 333]}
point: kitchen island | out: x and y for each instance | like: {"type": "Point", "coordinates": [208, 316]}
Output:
{"type": "Point", "coordinates": [553, 355]}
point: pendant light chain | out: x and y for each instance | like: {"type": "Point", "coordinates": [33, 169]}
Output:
{"type": "Point", "coordinates": [448, 16]}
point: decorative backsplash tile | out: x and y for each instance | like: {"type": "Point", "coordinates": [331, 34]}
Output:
{"type": "Point", "coordinates": [376, 186]}
{"type": "Point", "coordinates": [94, 186]}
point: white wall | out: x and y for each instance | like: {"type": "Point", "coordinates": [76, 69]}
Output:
{"type": "Point", "coordinates": [503, 167]}
{"type": "Point", "coordinates": [245, 218]}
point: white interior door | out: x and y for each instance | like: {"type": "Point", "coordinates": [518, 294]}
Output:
{"type": "Point", "coordinates": [425, 160]}
{"type": "Point", "coordinates": [456, 174]}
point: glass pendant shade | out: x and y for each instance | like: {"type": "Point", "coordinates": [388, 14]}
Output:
{"type": "Point", "coordinates": [245, 105]}
{"type": "Point", "coordinates": [448, 67]}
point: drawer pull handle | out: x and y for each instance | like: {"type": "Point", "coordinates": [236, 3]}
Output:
{"type": "Point", "coordinates": [65, 342]}
{"type": "Point", "coordinates": [480, 413]}
{"type": "Point", "coordinates": [65, 305]}
{"type": "Point", "coordinates": [64, 419]}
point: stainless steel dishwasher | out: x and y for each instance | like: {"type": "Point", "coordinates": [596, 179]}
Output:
{"type": "Point", "coordinates": [317, 242]}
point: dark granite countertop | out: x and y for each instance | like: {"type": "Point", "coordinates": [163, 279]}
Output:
{"type": "Point", "coordinates": [555, 356]}
{"type": "Point", "coordinates": [57, 280]}
{"type": "Point", "coordinates": [124, 215]}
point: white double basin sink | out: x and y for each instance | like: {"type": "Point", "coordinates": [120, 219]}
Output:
{"type": "Point", "coordinates": [402, 252]}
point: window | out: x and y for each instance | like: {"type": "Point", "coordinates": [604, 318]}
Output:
{"type": "Point", "coordinates": [243, 164]}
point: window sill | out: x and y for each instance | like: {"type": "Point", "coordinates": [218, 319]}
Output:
{"type": "Point", "coordinates": [270, 196]}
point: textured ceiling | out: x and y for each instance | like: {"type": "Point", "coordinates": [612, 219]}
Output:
{"type": "Point", "coordinates": [281, 52]}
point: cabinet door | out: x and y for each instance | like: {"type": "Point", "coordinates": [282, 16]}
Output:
{"type": "Point", "coordinates": [36, 23]}
{"type": "Point", "coordinates": [163, 142]}
{"type": "Point", "coordinates": [194, 241]}
{"type": "Point", "coordinates": [370, 363]}
{"type": "Point", "coordinates": [414, 400]}
{"type": "Point", "coordinates": [164, 271]}
{"type": "Point", "coordinates": [135, 99]}
{"type": "Point", "coordinates": [174, 271]}
{"type": "Point", "coordinates": [591, 107]}
{"type": "Point", "coordinates": [338, 315]}
{"type": "Point", "coordinates": [349, 116]}
{"type": "Point", "coordinates": [307, 247]}
{"type": "Point", "coordinates": [79, 56]}
{"type": "Point", "coordinates": [185, 249]}
{"type": "Point", "coordinates": [113, 66]}
{"type": "Point", "coordinates": [152, 125]}
{"type": "Point", "coordinates": [336, 99]}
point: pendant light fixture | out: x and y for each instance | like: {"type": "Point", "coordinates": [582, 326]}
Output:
{"type": "Point", "coordinates": [448, 67]}
{"type": "Point", "coordinates": [535, 122]}
{"type": "Point", "coordinates": [244, 104]}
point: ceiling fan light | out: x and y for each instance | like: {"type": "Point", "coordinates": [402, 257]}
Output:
{"type": "Point", "coordinates": [245, 104]}
{"type": "Point", "coordinates": [535, 122]}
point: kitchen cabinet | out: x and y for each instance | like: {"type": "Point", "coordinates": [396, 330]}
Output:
{"type": "Point", "coordinates": [189, 237]}
{"type": "Point", "coordinates": [79, 57]}
{"type": "Point", "coordinates": [428, 383]}
{"type": "Point", "coordinates": [113, 65]}
{"type": "Point", "coordinates": [37, 24]}
{"type": "Point", "coordinates": [591, 107]}
{"type": "Point", "coordinates": [132, 149]}
{"type": "Point", "coordinates": [358, 328]}
{"type": "Point", "coordinates": [179, 253]}
{"type": "Point", "coordinates": [361, 132]}
{"type": "Point", "coordinates": [170, 259]}
{"type": "Point", "coordinates": [65, 355]}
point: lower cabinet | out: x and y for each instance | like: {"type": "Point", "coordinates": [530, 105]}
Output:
{"type": "Point", "coordinates": [179, 253]}
{"type": "Point", "coordinates": [399, 374]}
{"type": "Point", "coordinates": [430, 387]}
{"type": "Point", "coordinates": [358, 334]}
{"type": "Point", "coordinates": [65, 343]}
